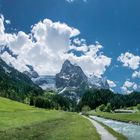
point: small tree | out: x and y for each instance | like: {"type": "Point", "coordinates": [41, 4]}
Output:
{"type": "Point", "coordinates": [39, 102]}
{"type": "Point", "coordinates": [108, 107]}
{"type": "Point", "coordinates": [32, 101]}
{"type": "Point", "coordinates": [102, 107]}
{"type": "Point", "coordinates": [138, 106]}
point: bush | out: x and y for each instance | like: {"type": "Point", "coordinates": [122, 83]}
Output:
{"type": "Point", "coordinates": [39, 102]}
{"type": "Point", "coordinates": [32, 101]}
{"type": "Point", "coordinates": [102, 107]}
{"type": "Point", "coordinates": [138, 106]}
{"type": "Point", "coordinates": [131, 108]}
{"type": "Point", "coordinates": [108, 108]}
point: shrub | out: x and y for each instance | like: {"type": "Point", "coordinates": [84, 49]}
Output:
{"type": "Point", "coordinates": [131, 108]}
{"type": "Point", "coordinates": [138, 106]}
{"type": "Point", "coordinates": [108, 107]}
{"type": "Point", "coordinates": [32, 101]}
{"type": "Point", "coordinates": [102, 107]}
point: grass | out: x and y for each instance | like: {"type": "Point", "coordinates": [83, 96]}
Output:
{"type": "Point", "coordinates": [118, 135]}
{"type": "Point", "coordinates": [124, 117]}
{"type": "Point", "coordinates": [22, 122]}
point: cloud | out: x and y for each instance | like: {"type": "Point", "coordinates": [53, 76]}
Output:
{"type": "Point", "coordinates": [2, 28]}
{"type": "Point", "coordinates": [111, 84]}
{"type": "Point", "coordinates": [70, 1]}
{"type": "Point", "coordinates": [136, 74]}
{"type": "Point", "coordinates": [130, 60]}
{"type": "Point", "coordinates": [129, 87]}
{"type": "Point", "coordinates": [5, 38]}
{"type": "Point", "coordinates": [7, 21]}
{"type": "Point", "coordinates": [48, 45]}
{"type": "Point", "coordinates": [19, 63]}
{"type": "Point", "coordinates": [93, 61]}
{"type": "Point", "coordinates": [78, 42]}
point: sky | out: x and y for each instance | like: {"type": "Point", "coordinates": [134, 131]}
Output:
{"type": "Point", "coordinates": [103, 37]}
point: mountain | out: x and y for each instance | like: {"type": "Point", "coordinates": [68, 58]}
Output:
{"type": "Point", "coordinates": [99, 83]}
{"type": "Point", "coordinates": [72, 82]}
{"type": "Point", "coordinates": [16, 85]}
{"type": "Point", "coordinates": [71, 76]}
{"type": "Point", "coordinates": [45, 81]}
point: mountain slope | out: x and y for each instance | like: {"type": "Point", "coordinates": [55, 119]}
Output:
{"type": "Point", "coordinates": [31, 73]}
{"type": "Point", "coordinates": [16, 85]}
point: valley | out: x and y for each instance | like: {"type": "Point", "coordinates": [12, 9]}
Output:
{"type": "Point", "coordinates": [54, 110]}
{"type": "Point", "coordinates": [69, 70]}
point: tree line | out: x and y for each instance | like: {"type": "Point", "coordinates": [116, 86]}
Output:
{"type": "Point", "coordinates": [53, 101]}
{"type": "Point", "coordinates": [95, 98]}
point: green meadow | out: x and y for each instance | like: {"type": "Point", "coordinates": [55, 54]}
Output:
{"type": "Point", "coordinates": [22, 122]}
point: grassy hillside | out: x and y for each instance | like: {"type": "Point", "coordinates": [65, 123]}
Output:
{"type": "Point", "coordinates": [125, 117]}
{"type": "Point", "coordinates": [20, 122]}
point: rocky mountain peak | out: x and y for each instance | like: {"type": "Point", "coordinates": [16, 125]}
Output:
{"type": "Point", "coordinates": [67, 63]}
{"type": "Point", "coordinates": [68, 68]}
{"type": "Point", "coordinates": [98, 82]}
{"type": "Point", "coordinates": [70, 76]}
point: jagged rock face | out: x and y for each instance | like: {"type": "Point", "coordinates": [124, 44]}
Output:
{"type": "Point", "coordinates": [4, 48]}
{"type": "Point", "coordinates": [96, 82]}
{"type": "Point", "coordinates": [31, 73]}
{"type": "Point", "coordinates": [70, 76]}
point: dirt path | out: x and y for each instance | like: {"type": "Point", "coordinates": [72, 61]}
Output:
{"type": "Point", "coordinates": [105, 135]}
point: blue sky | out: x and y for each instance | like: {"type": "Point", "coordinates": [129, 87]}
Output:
{"type": "Point", "coordinates": [114, 24]}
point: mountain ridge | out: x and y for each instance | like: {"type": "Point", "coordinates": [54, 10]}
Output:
{"type": "Point", "coordinates": [71, 80]}
{"type": "Point", "coordinates": [16, 85]}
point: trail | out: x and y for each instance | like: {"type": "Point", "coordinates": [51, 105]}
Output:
{"type": "Point", "coordinates": [105, 135]}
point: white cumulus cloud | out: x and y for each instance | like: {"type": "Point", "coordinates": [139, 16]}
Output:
{"type": "Point", "coordinates": [111, 84]}
{"type": "Point", "coordinates": [8, 21]}
{"type": "Point", "coordinates": [46, 47]}
{"type": "Point", "coordinates": [130, 60]}
{"type": "Point", "coordinates": [70, 1]}
{"type": "Point", "coordinates": [136, 74]}
{"type": "Point", "coordinates": [129, 87]}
